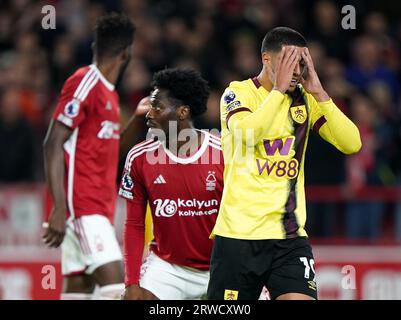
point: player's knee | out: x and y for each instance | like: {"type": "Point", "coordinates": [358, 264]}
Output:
{"type": "Point", "coordinates": [109, 273]}
{"type": "Point", "coordinates": [111, 291]}
{"type": "Point", "coordinates": [79, 284]}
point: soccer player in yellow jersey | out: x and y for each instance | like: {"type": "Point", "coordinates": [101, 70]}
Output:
{"type": "Point", "coordinates": [260, 238]}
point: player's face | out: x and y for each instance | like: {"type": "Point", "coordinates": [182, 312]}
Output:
{"type": "Point", "coordinates": [298, 71]}
{"type": "Point", "coordinates": [161, 111]}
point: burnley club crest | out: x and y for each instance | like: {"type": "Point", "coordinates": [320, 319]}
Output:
{"type": "Point", "coordinates": [298, 114]}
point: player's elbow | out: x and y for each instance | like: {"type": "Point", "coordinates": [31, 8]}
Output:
{"type": "Point", "coordinates": [355, 146]}
{"type": "Point", "coordinates": [48, 143]}
{"type": "Point", "coordinates": [52, 147]}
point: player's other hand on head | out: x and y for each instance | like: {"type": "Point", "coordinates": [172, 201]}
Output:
{"type": "Point", "coordinates": [55, 229]}
{"type": "Point", "coordinates": [310, 80]}
{"type": "Point", "coordinates": [135, 292]}
{"type": "Point", "coordinates": [143, 107]}
{"type": "Point", "coordinates": [287, 60]}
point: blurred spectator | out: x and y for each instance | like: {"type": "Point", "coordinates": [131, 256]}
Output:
{"type": "Point", "coordinates": [63, 61]}
{"type": "Point", "coordinates": [136, 83]}
{"type": "Point", "coordinates": [327, 28]}
{"type": "Point", "coordinates": [368, 66]}
{"type": "Point", "coordinates": [211, 118]}
{"type": "Point", "coordinates": [17, 161]}
{"type": "Point", "coordinates": [322, 221]}
{"type": "Point", "coordinates": [335, 83]}
{"type": "Point", "coordinates": [387, 155]}
{"type": "Point", "coordinates": [376, 26]}
{"type": "Point", "coordinates": [363, 218]}
{"type": "Point", "coordinates": [245, 56]}
{"type": "Point", "coordinates": [397, 167]}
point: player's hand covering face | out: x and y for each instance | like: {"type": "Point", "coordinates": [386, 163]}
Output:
{"type": "Point", "coordinates": [285, 69]}
{"type": "Point", "coordinates": [310, 80]}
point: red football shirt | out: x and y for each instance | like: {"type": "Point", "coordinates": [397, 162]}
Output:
{"type": "Point", "coordinates": [184, 195]}
{"type": "Point", "coordinates": [89, 105]}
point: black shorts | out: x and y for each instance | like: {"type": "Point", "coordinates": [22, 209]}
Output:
{"type": "Point", "coordinates": [240, 268]}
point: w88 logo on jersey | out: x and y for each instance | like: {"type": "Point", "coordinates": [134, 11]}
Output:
{"type": "Point", "coordinates": [280, 168]}
{"type": "Point", "coordinates": [279, 159]}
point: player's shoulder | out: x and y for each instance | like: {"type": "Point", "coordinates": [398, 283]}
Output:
{"type": "Point", "coordinates": [240, 85]}
{"type": "Point", "coordinates": [139, 151]}
{"type": "Point", "coordinates": [236, 90]}
{"type": "Point", "coordinates": [78, 75]}
{"type": "Point", "coordinates": [80, 82]}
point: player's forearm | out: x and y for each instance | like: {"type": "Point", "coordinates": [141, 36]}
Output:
{"type": "Point", "coordinates": [263, 122]}
{"type": "Point", "coordinates": [54, 171]}
{"type": "Point", "coordinates": [339, 129]}
{"type": "Point", "coordinates": [134, 241]}
{"type": "Point", "coordinates": [321, 96]}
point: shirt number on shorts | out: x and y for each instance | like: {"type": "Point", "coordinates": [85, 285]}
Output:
{"type": "Point", "coordinates": [309, 265]}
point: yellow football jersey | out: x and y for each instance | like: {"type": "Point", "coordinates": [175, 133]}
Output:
{"type": "Point", "coordinates": [264, 138]}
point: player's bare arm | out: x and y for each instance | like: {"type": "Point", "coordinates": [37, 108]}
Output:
{"type": "Point", "coordinates": [288, 58]}
{"type": "Point", "coordinates": [54, 170]}
{"type": "Point", "coordinates": [135, 292]}
{"type": "Point", "coordinates": [311, 81]}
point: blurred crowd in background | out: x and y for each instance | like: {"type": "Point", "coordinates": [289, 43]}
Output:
{"type": "Point", "coordinates": [360, 69]}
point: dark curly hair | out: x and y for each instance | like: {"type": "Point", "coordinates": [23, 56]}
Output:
{"type": "Point", "coordinates": [277, 37]}
{"type": "Point", "coordinates": [113, 33]}
{"type": "Point", "coordinates": [185, 85]}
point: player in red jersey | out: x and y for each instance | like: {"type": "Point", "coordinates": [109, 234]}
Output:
{"type": "Point", "coordinates": [180, 173]}
{"type": "Point", "coordinates": [81, 159]}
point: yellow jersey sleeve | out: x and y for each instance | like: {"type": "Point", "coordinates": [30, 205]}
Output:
{"type": "Point", "coordinates": [334, 126]}
{"type": "Point", "coordinates": [240, 113]}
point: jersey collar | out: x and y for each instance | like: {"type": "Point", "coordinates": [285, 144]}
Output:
{"type": "Point", "coordinates": [192, 158]}
{"type": "Point", "coordinates": [108, 85]}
